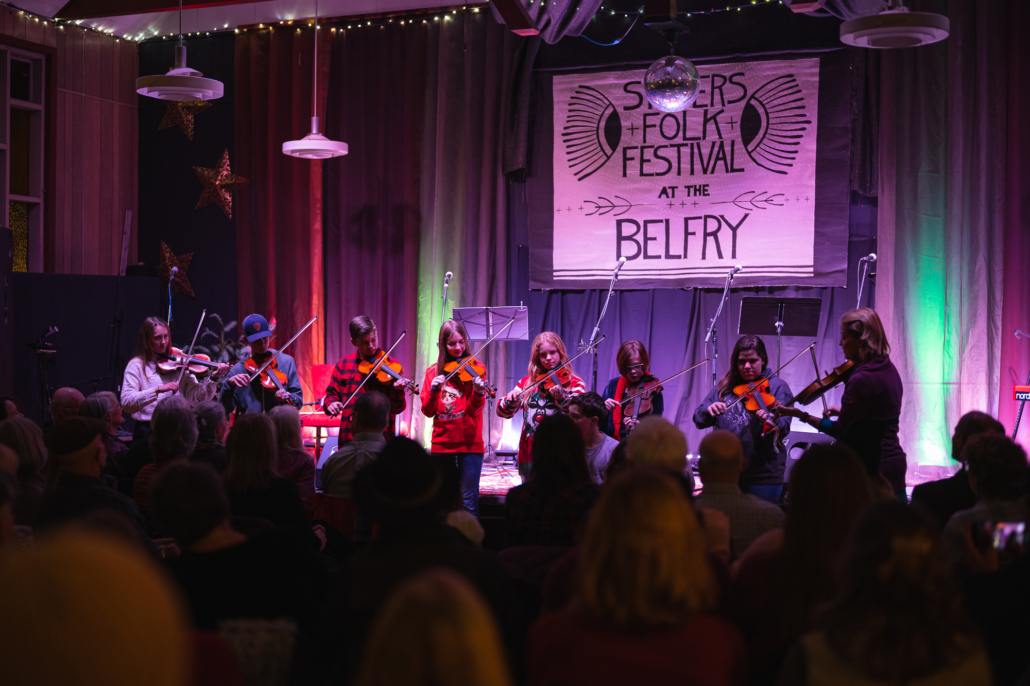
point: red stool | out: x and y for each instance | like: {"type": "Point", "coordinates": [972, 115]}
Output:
{"type": "Point", "coordinates": [321, 374]}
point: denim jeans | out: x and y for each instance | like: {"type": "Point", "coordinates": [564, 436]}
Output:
{"type": "Point", "coordinates": [769, 492]}
{"type": "Point", "coordinates": [466, 467]}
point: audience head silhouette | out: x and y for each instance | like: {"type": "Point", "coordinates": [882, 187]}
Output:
{"type": "Point", "coordinates": [657, 442]}
{"type": "Point", "coordinates": [722, 457]}
{"type": "Point", "coordinates": [997, 466]}
{"type": "Point", "coordinates": [250, 454]}
{"type": "Point", "coordinates": [969, 425]}
{"type": "Point", "coordinates": [559, 453]}
{"type": "Point", "coordinates": [65, 404]}
{"type": "Point", "coordinates": [78, 446]}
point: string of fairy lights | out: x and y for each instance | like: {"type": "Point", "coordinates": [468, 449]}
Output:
{"type": "Point", "coordinates": [367, 21]}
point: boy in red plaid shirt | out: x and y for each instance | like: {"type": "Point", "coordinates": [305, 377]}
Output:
{"type": "Point", "coordinates": [346, 379]}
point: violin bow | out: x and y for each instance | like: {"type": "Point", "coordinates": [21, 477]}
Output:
{"type": "Point", "coordinates": [374, 369]}
{"type": "Point", "coordinates": [189, 353]}
{"type": "Point", "coordinates": [272, 359]}
{"type": "Point", "coordinates": [815, 363]}
{"type": "Point", "coordinates": [662, 381]}
{"type": "Point", "coordinates": [566, 363]}
{"type": "Point", "coordinates": [471, 354]}
{"type": "Point", "coordinates": [776, 373]}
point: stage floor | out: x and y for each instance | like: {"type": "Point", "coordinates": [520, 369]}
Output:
{"type": "Point", "coordinates": [498, 478]}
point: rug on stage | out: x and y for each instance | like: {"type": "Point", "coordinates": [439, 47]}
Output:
{"type": "Point", "coordinates": [498, 479]}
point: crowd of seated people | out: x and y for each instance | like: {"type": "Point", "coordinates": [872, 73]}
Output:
{"type": "Point", "coordinates": [205, 554]}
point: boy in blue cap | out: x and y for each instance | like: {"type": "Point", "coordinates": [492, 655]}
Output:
{"type": "Point", "coordinates": [241, 397]}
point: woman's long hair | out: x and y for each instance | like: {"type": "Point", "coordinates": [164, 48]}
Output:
{"type": "Point", "coordinates": [865, 325]}
{"type": "Point", "coordinates": [732, 377]}
{"type": "Point", "coordinates": [287, 427]}
{"type": "Point", "coordinates": [144, 340]}
{"type": "Point", "coordinates": [535, 368]}
{"type": "Point", "coordinates": [559, 454]}
{"type": "Point", "coordinates": [250, 452]}
{"type": "Point", "coordinates": [897, 615]}
{"type": "Point", "coordinates": [435, 630]}
{"type": "Point", "coordinates": [829, 490]}
{"type": "Point", "coordinates": [643, 565]}
{"type": "Point", "coordinates": [448, 329]}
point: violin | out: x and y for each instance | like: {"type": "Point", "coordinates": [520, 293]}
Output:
{"type": "Point", "coordinates": [271, 377]}
{"type": "Point", "coordinates": [559, 376]}
{"type": "Point", "coordinates": [819, 387]}
{"type": "Point", "coordinates": [647, 391]}
{"type": "Point", "coordinates": [389, 371]}
{"type": "Point", "coordinates": [757, 396]}
{"type": "Point", "coordinates": [174, 359]}
{"type": "Point", "coordinates": [468, 369]}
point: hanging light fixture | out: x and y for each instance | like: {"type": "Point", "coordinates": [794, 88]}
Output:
{"type": "Point", "coordinates": [181, 82]}
{"type": "Point", "coordinates": [315, 146]}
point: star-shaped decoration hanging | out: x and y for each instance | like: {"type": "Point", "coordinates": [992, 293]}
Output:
{"type": "Point", "coordinates": [180, 283]}
{"type": "Point", "coordinates": [218, 185]}
{"type": "Point", "coordinates": [181, 114]}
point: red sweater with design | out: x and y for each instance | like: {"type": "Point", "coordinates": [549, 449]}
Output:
{"type": "Point", "coordinates": [457, 413]}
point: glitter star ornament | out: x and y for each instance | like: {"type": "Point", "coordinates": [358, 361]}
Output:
{"type": "Point", "coordinates": [180, 283]}
{"type": "Point", "coordinates": [182, 114]}
{"type": "Point", "coordinates": [218, 185]}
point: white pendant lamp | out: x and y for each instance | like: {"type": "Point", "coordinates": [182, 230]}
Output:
{"type": "Point", "coordinates": [315, 146]}
{"type": "Point", "coordinates": [180, 83]}
{"type": "Point", "coordinates": [896, 27]}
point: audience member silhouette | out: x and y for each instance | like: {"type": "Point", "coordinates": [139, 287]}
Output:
{"type": "Point", "coordinates": [294, 462]}
{"type": "Point", "coordinates": [212, 429]}
{"type": "Point", "coordinates": [25, 438]}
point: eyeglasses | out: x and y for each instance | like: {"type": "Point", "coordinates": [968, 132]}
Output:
{"type": "Point", "coordinates": [634, 367]}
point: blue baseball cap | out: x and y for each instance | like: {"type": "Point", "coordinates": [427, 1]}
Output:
{"type": "Point", "coordinates": [255, 327]}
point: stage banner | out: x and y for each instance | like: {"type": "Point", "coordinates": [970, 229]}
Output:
{"type": "Point", "coordinates": [754, 174]}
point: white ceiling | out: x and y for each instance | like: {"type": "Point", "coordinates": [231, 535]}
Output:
{"type": "Point", "coordinates": [139, 26]}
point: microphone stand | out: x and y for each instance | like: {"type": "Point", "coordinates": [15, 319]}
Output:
{"type": "Point", "coordinates": [597, 330]}
{"type": "Point", "coordinates": [711, 329]}
{"type": "Point", "coordinates": [446, 285]}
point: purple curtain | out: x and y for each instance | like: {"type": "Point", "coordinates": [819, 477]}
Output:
{"type": "Point", "coordinates": [953, 234]}
{"type": "Point", "coordinates": [372, 194]}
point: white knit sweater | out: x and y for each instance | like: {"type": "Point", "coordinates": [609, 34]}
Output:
{"type": "Point", "coordinates": [139, 388]}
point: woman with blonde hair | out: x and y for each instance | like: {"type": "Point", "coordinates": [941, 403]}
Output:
{"type": "Point", "coordinates": [435, 630]}
{"type": "Point", "coordinates": [294, 462]}
{"type": "Point", "coordinates": [547, 354]}
{"type": "Point", "coordinates": [642, 610]}
{"type": "Point", "coordinates": [872, 389]}
{"type": "Point", "coordinates": [25, 438]}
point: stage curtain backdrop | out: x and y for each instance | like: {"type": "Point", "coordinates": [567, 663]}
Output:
{"type": "Point", "coordinates": [279, 213]}
{"type": "Point", "coordinates": [421, 193]}
{"type": "Point", "coordinates": [953, 214]}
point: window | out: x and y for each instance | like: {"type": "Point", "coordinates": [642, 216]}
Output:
{"type": "Point", "coordinates": [21, 154]}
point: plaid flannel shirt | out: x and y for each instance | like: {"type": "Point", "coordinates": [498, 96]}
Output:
{"type": "Point", "coordinates": [345, 380]}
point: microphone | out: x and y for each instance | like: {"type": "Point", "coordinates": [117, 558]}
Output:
{"type": "Point", "coordinates": [50, 331]}
{"type": "Point", "coordinates": [171, 275]}
{"type": "Point", "coordinates": [736, 269]}
{"type": "Point", "coordinates": [622, 261]}
{"type": "Point", "coordinates": [448, 276]}
{"type": "Point", "coordinates": [871, 257]}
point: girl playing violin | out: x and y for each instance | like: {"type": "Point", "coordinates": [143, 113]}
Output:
{"type": "Point", "coordinates": [347, 377]}
{"type": "Point", "coordinates": [456, 408]}
{"type": "Point", "coordinates": [872, 389]}
{"type": "Point", "coordinates": [144, 384]}
{"type": "Point", "coordinates": [241, 395]}
{"type": "Point", "coordinates": [765, 454]}
{"type": "Point", "coordinates": [547, 354]}
{"type": "Point", "coordinates": [634, 369]}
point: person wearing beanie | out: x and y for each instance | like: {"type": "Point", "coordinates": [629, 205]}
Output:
{"type": "Point", "coordinates": [77, 445]}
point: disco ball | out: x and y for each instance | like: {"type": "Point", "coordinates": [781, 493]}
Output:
{"type": "Point", "coordinates": [671, 84]}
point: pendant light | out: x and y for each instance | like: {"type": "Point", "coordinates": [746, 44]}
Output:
{"type": "Point", "coordinates": [181, 82]}
{"type": "Point", "coordinates": [315, 146]}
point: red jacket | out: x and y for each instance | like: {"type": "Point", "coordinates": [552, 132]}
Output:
{"type": "Point", "coordinates": [457, 412]}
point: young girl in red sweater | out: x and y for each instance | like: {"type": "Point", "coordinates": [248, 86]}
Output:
{"type": "Point", "coordinates": [456, 408]}
{"type": "Point", "coordinates": [548, 352]}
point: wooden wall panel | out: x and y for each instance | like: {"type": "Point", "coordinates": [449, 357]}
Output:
{"type": "Point", "coordinates": [95, 119]}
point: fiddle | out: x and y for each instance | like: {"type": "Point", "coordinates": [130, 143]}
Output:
{"type": "Point", "coordinates": [757, 396]}
{"type": "Point", "coordinates": [819, 387]}
{"type": "Point", "coordinates": [386, 370]}
{"type": "Point", "coordinates": [559, 376]}
{"type": "Point", "coordinates": [271, 377]}
{"type": "Point", "coordinates": [175, 358]}
{"type": "Point", "coordinates": [468, 369]}
{"type": "Point", "coordinates": [647, 391]}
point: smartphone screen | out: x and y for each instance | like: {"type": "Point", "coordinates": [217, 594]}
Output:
{"type": "Point", "coordinates": [1005, 534]}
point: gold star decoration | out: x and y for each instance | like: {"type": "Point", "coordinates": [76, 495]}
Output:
{"type": "Point", "coordinates": [180, 283]}
{"type": "Point", "coordinates": [218, 185]}
{"type": "Point", "coordinates": [181, 114]}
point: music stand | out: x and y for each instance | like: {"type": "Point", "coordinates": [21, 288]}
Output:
{"type": "Point", "coordinates": [481, 324]}
{"type": "Point", "coordinates": [769, 316]}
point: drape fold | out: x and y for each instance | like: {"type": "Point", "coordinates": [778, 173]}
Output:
{"type": "Point", "coordinates": [279, 213]}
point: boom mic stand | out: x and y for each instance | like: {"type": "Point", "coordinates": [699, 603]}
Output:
{"type": "Point", "coordinates": [711, 329]}
{"type": "Point", "coordinates": [597, 327]}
